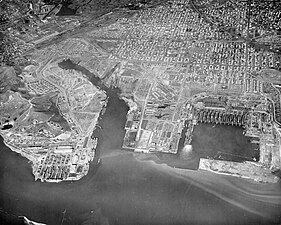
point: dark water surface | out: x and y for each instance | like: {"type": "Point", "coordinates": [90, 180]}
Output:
{"type": "Point", "coordinates": [66, 10]}
{"type": "Point", "coordinates": [210, 140]}
{"type": "Point", "coordinates": [125, 190]}
{"type": "Point", "coordinates": [228, 141]}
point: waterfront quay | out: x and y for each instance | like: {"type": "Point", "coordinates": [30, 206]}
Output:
{"type": "Point", "coordinates": [65, 162]}
{"type": "Point", "coordinates": [53, 129]}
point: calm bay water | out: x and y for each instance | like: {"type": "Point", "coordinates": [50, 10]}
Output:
{"type": "Point", "coordinates": [227, 141]}
{"type": "Point", "coordinates": [129, 191]}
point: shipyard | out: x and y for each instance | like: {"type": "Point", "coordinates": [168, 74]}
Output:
{"type": "Point", "coordinates": [140, 112]}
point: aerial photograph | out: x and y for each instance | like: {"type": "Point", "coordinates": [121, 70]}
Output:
{"type": "Point", "coordinates": [140, 112]}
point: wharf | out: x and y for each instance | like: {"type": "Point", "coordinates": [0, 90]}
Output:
{"type": "Point", "coordinates": [248, 170]}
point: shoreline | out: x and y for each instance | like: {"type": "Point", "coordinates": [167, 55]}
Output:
{"type": "Point", "coordinates": [246, 170]}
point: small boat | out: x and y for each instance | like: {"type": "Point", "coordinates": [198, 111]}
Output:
{"type": "Point", "coordinates": [95, 142]}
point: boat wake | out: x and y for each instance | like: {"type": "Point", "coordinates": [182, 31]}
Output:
{"type": "Point", "coordinates": [29, 222]}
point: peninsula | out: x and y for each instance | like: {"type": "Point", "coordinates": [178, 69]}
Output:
{"type": "Point", "coordinates": [50, 120]}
